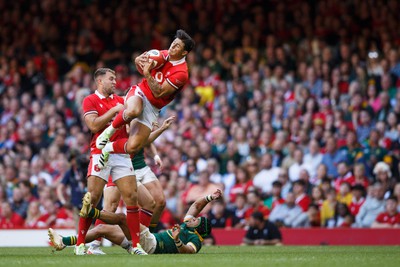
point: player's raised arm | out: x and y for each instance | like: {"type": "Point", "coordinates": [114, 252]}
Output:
{"type": "Point", "coordinates": [200, 203]}
{"type": "Point", "coordinates": [157, 132]}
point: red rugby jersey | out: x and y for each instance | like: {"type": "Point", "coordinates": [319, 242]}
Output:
{"type": "Point", "coordinates": [98, 104]}
{"type": "Point", "coordinates": [174, 72]}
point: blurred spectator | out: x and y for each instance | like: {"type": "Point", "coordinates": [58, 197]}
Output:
{"type": "Point", "coordinates": [219, 215]}
{"type": "Point", "coordinates": [328, 206]}
{"type": "Point", "coordinates": [242, 183]}
{"type": "Point", "coordinates": [344, 194]}
{"type": "Point", "coordinates": [238, 211]}
{"type": "Point", "coordinates": [313, 158]}
{"type": "Point", "coordinates": [342, 217]}
{"type": "Point", "coordinates": [358, 193]}
{"type": "Point", "coordinates": [285, 214]}
{"type": "Point", "coordinates": [275, 198]}
{"type": "Point", "coordinates": [261, 232]}
{"type": "Point", "coordinates": [55, 217]}
{"type": "Point", "coordinates": [19, 204]}
{"type": "Point", "coordinates": [33, 215]}
{"type": "Point", "coordinates": [317, 196]}
{"type": "Point", "coordinates": [311, 218]}
{"type": "Point", "coordinates": [373, 205]}
{"type": "Point", "coordinates": [390, 218]}
{"type": "Point", "coordinates": [344, 175]}
{"type": "Point", "coordinates": [267, 175]}
{"type": "Point", "coordinates": [332, 157]}
{"type": "Point", "coordinates": [255, 205]}
{"type": "Point", "coordinates": [73, 180]}
{"type": "Point", "coordinates": [8, 218]}
{"type": "Point", "coordinates": [299, 191]}
{"type": "Point", "coordinates": [383, 175]}
{"type": "Point", "coordinates": [283, 178]}
{"type": "Point", "coordinates": [203, 187]}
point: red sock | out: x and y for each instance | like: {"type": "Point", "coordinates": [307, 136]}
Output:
{"type": "Point", "coordinates": [145, 217]}
{"type": "Point", "coordinates": [119, 146]}
{"type": "Point", "coordinates": [98, 222]}
{"type": "Point", "coordinates": [84, 224]}
{"type": "Point", "coordinates": [119, 120]}
{"type": "Point", "coordinates": [132, 219]}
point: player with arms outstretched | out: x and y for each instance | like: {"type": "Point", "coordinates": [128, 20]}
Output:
{"type": "Point", "coordinates": [145, 100]}
{"type": "Point", "coordinates": [184, 238]}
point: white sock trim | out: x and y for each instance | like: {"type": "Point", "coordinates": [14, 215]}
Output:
{"type": "Point", "coordinates": [109, 147]}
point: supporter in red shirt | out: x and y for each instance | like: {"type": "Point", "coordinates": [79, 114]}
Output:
{"type": "Point", "coordinates": [54, 217]}
{"type": "Point", "coordinates": [390, 218]}
{"type": "Point", "coordinates": [359, 176]}
{"type": "Point", "coordinates": [8, 218]}
{"type": "Point", "coordinates": [358, 192]}
{"type": "Point", "coordinates": [302, 199]}
{"type": "Point", "coordinates": [255, 202]}
{"type": "Point", "coordinates": [242, 184]}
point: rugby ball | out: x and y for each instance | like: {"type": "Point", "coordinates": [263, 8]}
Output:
{"type": "Point", "coordinates": [157, 57]}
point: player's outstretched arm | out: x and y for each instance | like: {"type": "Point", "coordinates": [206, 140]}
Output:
{"type": "Point", "coordinates": [157, 132]}
{"type": "Point", "coordinates": [200, 203]}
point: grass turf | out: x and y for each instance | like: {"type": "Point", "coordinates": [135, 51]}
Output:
{"type": "Point", "coordinates": [232, 256]}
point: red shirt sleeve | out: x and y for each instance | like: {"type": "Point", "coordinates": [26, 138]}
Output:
{"type": "Point", "coordinates": [177, 79]}
{"type": "Point", "coordinates": [380, 217]}
{"type": "Point", "coordinates": [88, 106]}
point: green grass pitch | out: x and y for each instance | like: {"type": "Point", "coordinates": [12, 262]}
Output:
{"type": "Point", "coordinates": [231, 256]}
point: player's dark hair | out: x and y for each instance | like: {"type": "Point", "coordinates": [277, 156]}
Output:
{"type": "Point", "coordinates": [204, 228]}
{"type": "Point", "coordinates": [102, 71]}
{"type": "Point", "coordinates": [186, 39]}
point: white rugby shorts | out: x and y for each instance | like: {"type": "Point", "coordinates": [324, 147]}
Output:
{"type": "Point", "coordinates": [150, 113]}
{"type": "Point", "coordinates": [118, 166]}
{"type": "Point", "coordinates": [145, 175]}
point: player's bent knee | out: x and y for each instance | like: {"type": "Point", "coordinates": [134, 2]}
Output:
{"type": "Point", "coordinates": [133, 147]}
{"type": "Point", "coordinates": [161, 203]}
{"type": "Point", "coordinates": [133, 112]}
{"type": "Point", "coordinates": [130, 197]}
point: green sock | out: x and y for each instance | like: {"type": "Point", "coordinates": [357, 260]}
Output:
{"type": "Point", "coordinates": [94, 213]}
{"type": "Point", "coordinates": [69, 240]}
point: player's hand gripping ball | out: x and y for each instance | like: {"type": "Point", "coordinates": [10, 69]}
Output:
{"type": "Point", "coordinates": [157, 57]}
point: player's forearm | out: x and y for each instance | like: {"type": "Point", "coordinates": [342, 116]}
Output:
{"type": "Point", "coordinates": [98, 123]}
{"type": "Point", "coordinates": [154, 135]}
{"type": "Point", "coordinates": [182, 248]}
{"type": "Point", "coordinates": [155, 87]}
{"type": "Point", "coordinates": [197, 207]}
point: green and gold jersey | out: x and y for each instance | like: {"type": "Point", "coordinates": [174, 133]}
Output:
{"type": "Point", "coordinates": [166, 244]}
{"type": "Point", "coordinates": [138, 160]}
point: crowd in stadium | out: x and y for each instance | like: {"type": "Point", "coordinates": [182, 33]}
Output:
{"type": "Point", "coordinates": [292, 108]}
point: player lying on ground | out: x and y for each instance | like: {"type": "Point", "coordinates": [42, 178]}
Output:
{"type": "Point", "coordinates": [184, 238]}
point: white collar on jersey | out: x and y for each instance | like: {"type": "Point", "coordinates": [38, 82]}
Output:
{"type": "Point", "coordinates": [102, 96]}
{"type": "Point", "coordinates": [177, 62]}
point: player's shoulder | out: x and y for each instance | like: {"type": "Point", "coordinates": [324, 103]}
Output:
{"type": "Point", "coordinates": [91, 97]}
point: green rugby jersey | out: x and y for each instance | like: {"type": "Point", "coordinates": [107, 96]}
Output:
{"type": "Point", "coordinates": [166, 244]}
{"type": "Point", "coordinates": [138, 160]}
